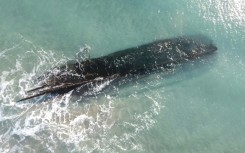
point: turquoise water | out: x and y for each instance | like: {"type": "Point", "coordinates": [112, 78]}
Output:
{"type": "Point", "coordinates": [197, 108]}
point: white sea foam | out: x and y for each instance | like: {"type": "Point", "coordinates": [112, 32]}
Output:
{"type": "Point", "coordinates": [103, 123]}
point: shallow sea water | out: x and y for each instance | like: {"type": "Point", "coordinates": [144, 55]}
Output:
{"type": "Point", "coordinates": [199, 107]}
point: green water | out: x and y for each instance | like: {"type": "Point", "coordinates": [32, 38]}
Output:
{"type": "Point", "coordinates": [195, 109]}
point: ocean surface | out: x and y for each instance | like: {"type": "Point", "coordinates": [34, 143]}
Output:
{"type": "Point", "coordinates": [198, 107]}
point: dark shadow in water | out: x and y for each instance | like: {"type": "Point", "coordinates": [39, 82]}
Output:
{"type": "Point", "coordinates": [181, 57]}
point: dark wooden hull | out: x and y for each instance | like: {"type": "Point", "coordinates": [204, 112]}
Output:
{"type": "Point", "coordinates": [133, 61]}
